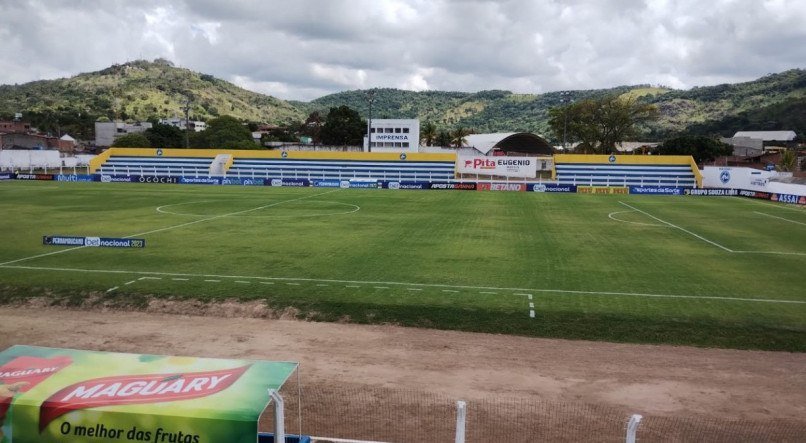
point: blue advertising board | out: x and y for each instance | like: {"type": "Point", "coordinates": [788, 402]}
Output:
{"type": "Point", "coordinates": [6, 176]}
{"type": "Point", "coordinates": [788, 198]}
{"type": "Point", "coordinates": [656, 190]}
{"type": "Point", "coordinates": [104, 242]}
{"type": "Point", "coordinates": [288, 182]}
{"type": "Point", "coordinates": [362, 184]}
{"type": "Point", "coordinates": [406, 185]}
{"type": "Point", "coordinates": [242, 181]}
{"type": "Point", "coordinates": [327, 183]}
{"type": "Point", "coordinates": [551, 187]}
{"type": "Point", "coordinates": [106, 178]}
{"type": "Point", "coordinates": [713, 192]}
{"type": "Point", "coordinates": [460, 186]}
{"type": "Point", "coordinates": [34, 177]}
{"type": "Point", "coordinates": [200, 180]}
{"type": "Point", "coordinates": [74, 178]}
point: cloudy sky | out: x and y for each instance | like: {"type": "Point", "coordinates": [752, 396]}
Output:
{"type": "Point", "coordinates": [303, 49]}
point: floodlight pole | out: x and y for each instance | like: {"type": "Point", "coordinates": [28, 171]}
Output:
{"type": "Point", "coordinates": [371, 98]}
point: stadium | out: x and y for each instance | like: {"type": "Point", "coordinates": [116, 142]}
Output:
{"type": "Point", "coordinates": [618, 248]}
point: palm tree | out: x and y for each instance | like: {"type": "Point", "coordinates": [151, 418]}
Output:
{"type": "Point", "coordinates": [458, 136]}
{"type": "Point", "coordinates": [443, 139]}
{"type": "Point", "coordinates": [428, 133]}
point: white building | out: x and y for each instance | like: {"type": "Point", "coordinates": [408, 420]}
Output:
{"type": "Point", "coordinates": [195, 125]}
{"type": "Point", "coordinates": [107, 132]}
{"type": "Point", "coordinates": [394, 135]}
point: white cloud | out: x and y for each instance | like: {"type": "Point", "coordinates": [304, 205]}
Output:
{"type": "Point", "coordinates": [307, 48]}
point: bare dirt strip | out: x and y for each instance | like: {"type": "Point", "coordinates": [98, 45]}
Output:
{"type": "Point", "coordinates": [665, 380]}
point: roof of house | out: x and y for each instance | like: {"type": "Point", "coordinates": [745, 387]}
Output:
{"type": "Point", "coordinates": [768, 135]}
{"type": "Point", "coordinates": [520, 141]}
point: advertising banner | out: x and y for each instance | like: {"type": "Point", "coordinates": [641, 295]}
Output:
{"type": "Point", "coordinates": [153, 179]}
{"type": "Point", "coordinates": [289, 182]}
{"type": "Point", "coordinates": [6, 176]}
{"type": "Point", "coordinates": [713, 192]}
{"type": "Point", "coordinates": [35, 177]}
{"type": "Point", "coordinates": [406, 185]}
{"type": "Point", "coordinates": [74, 178]}
{"type": "Point", "coordinates": [603, 190]}
{"type": "Point", "coordinates": [361, 184]}
{"type": "Point", "coordinates": [525, 167]}
{"type": "Point", "coordinates": [656, 190]}
{"type": "Point", "coordinates": [463, 186]}
{"type": "Point", "coordinates": [328, 183]}
{"type": "Point", "coordinates": [517, 187]}
{"type": "Point", "coordinates": [106, 178]}
{"type": "Point", "coordinates": [551, 187]}
{"type": "Point", "coordinates": [62, 240]}
{"type": "Point", "coordinates": [55, 395]}
{"type": "Point", "coordinates": [243, 181]}
{"type": "Point", "coordinates": [200, 180]}
{"type": "Point", "coordinates": [788, 198]}
{"type": "Point", "coordinates": [755, 194]}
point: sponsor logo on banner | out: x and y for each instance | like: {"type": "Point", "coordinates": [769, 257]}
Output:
{"type": "Point", "coordinates": [612, 159]}
{"type": "Point", "coordinates": [656, 190]}
{"type": "Point", "coordinates": [603, 190]}
{"type": "Point", "coordinates": [724, 176]}
{"type": "Point", "coordinates": [755, 194]}
{"type": "Point", "coordinates": [787, 198]}
{"type": "Point", "coordinates": [328, 183]}
{"type": "Point", "coordinates": [540, 187]}
{"type": "Point", "coordinates": [5, 176]}
{"type": "Point", "coordinates": [35, 177]}
{"type": "Point", "coordinates": [519, 187]}
{"type": "Point", "coordinates": [242, 181]}
{"type": "Point", "coordinates": [458, 186]}
{"type": "Point", "coordinates": [760, 182]}
{"type": "Point", "coordinates": [136, 389]}
{"type": "Point", "coordinates": [402, 155]}
{"type": "Point", "coordinates": [154, 179]}
{"type": "Point", "coordinates": [393, 185]}
{"type": "Point", "coordinates": [74, 178]}
{"type": "Point", "coordinates": [295, 182]}
{"type": "Point", "coordinates": [363, 184]}
{"type": "Point", "coordinates": [525, 167]}
{"type": "Point", "coordinates": [200, 180]}
{"type": "Point", "coordinates": [113, 178]}
{"type": "Point", "coordinates": [284, 154]}
{"type": "Point", "coordinates": [95, 242]}
{"type": "Point", "coordinates": [713, 192]}
{"type": "Point", "coordinates": [390, 137]}
{"type": "Point", "coordinates": [344, 184]}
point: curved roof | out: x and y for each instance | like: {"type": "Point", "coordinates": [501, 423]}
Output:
{"type": "Point", "coordinates": [510, 141]}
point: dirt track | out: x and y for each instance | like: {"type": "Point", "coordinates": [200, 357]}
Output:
{"type": "Point", "coordinates": [645, 379]}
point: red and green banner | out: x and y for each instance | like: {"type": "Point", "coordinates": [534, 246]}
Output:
{"type": "Point", "coordinates": [58, 395]}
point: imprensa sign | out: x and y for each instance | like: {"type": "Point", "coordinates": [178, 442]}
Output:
{"type": "Point", "coordinates": [525, 167]}
{"type": "Point", "coordinates": [52, 395]}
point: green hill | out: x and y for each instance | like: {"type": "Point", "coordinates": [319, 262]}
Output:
{"type": "Point", "coordinates": [142, 90]}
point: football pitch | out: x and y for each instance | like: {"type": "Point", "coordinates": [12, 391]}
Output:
{"type": "Point", "coordinates": [705, 271]}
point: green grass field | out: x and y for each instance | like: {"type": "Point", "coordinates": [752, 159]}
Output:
{"type": "Point", "coordinates": [705, 271]}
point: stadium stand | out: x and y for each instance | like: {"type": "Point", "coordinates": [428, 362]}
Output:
{"type": "Point", "coordinates": [595, 170]}
{"type": "Point", "coordinates": [167, 166]}
{"type": "Point", "coordinates": [341, 169]}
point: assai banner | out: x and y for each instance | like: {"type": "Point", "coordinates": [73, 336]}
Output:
{"type": "Point", "coordinates": [517, 187]}
{"type": "Point", "coordinates": [243, 181]}
{"type": "Point", "coordinates": [656, 190]}
{"type": "Point", "coordinates": [551, 187]}
{"type": "Point", "coordinates": [288, 182]}
{"type": "Point", "coordinates": [103, 242]}
{"type": "Point", "coordinates": [35, 177]}
{"type": "Point", "coordinates": [57, 395]}
{"type": "Point", "coordinates": [603, 190]}
{"type": "Point", "coordinates": [789, 198]}
{"type": "Point", "coordinates": [74, 178]}
{"type": "Point", "coordinates": [459, 186]}
{"type": "Point", "coordinates": [200, 180]}
{"type": "Point", "coordinates": [524, 167]}
{"type": "Point", "coordinates": [713, 192]}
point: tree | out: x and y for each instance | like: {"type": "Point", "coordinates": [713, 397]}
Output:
{"type": "Point", "coordinates": [789, 160]}
{"type": "Point", "coordinates": [703, 149]}
{"type": "Point", "coordinates": [224, 132]}
{"type": "Point", "coordinates": [134, 140]}
{"type": "Point", "coordinates": [428, 133]}
{"type": "Point", "coordinates": [458, 136]}
{"type": "Point", "coordinates": [600, 124]}
{"type": "Point", "coordinates": [343, 127]}
{"type": "Point", "coordinates": [443, 139]}
{"type": "Point", "coordinates": [165, 136]}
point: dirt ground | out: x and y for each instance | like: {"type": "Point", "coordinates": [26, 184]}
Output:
{"type": "Point", "coordinates": [667, 380]}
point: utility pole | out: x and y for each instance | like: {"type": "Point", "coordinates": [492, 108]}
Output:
{"type": "Point", "coordinates": [187, 123]}
{"type": "Point", "coordinates": [371, 98]}
{"type": "Point", "coordinates": [565, 99]}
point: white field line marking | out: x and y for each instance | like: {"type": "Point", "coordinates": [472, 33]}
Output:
{"type": "Point", "coordinates": [180, 279]}
{"type": "Point", "coordinates": [781, 218]}
{"type": "Point", "coordinates": [532, 314]}
{"type": "Point", "coordinates": [355, 208]}
{"type": "Point", "coordinates": [150, 278]}
{"type": "Point", "coordinates": [487, 292]}
{"type": "Point", "coordinates": [425, 285]}
{"type": "Point", "coordinates": [610, 216]}
{"type": "Point", "coordinates": [293, 284]}
{"type": "Point", "coordinates": [267, 282]}
{"type": "Point", "coordinates": [678, 227]}
{"type": "Point", "coordinates": [414, 289]}
{"type": "Point", "coordinates": [530, 296]}
{"type": "Point", "coordinates": [322, 284]}
{"type": "Point", "coordinates": [381, 287]}
{"type": "Point", "coordinates": [213, 281]}
{"type": "Point", "coordinates": [774, 205]}
{"type": "Point", "coordinates": [111, 289]}
{"type": "Point", "coordinates": [181, 225]}
{"type": "Point", "coordinates": [243, 282]}
{"type": "Point", "coordinates": [531, 305]}
{"type": "Point", "coordinates": [449, 290]}
{"type": "Point", "coordinates": [352, 286]}
{"type": "Point", "coordinates": [130, 282]}
{"type": "Point", "coordinates": [769, 252]}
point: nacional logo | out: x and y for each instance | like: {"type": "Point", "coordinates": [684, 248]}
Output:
{"type": "Point", "coordinates": [92, 241]}
{"type": "Point", "coordinates": [276, 182]}
{"type": "Point", "coordinates": [539, 188]}
{"type": "Point", "coordinates": [284, 154]}
{"type": "Point", "coordinates": [106, 179]}
{"type": "Point", "coordinates": [402, 155]}
{"type": "Point", "coordinates": [159, 152]}
{"type": "Point", "coordinates": [344, 184]}
{"type": "Point", "coordinates": [394, 185]}
{"type": "Point", "coordinates": [724, 176]}
{"type": "Point", "coordinates": [612, 159]}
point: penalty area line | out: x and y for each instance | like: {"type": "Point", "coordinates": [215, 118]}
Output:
{"type": "Point", "coordinates": [298, 281]}
{"type": "Point", "coordinates": [678, 227]}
